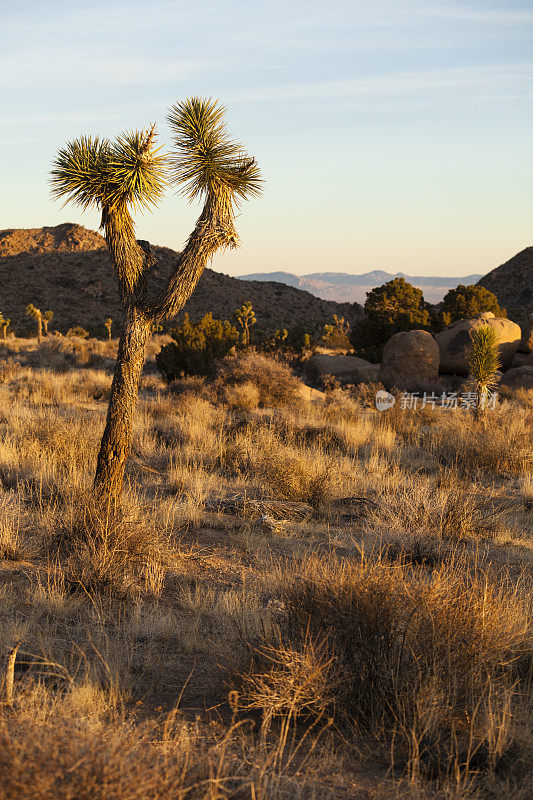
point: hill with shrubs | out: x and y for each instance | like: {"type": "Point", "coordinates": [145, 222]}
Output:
{"type": "Point", "coordinates": [66, 268]}
{"type": "Point", "coordinates": [512, 283]}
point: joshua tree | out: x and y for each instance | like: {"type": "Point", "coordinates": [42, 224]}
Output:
{"type": "Point", "coordinates": [108, 323]}
{"type": "Point", "coordinates": [36, 313]}
{"type": "Point", "coordinates": [47, 317]}
{"type": "Point", "coordinates": [246, 318]}
{"type": "Point", "coordinates": [121, 175]}
{"type": "Point", "coordinates": [4, 325]}
{"type": "Point", "coordinates": [483, 364]}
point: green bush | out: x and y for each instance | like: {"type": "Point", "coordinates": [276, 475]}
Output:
{"type": "Point", "coordinates": [196, 347]}
{"type": "Point", "coordinates": [395, 306]}
{"type": "Point", "coordinates": [293, 339]}
{"type": "Point", "coordinates": [466, 302]}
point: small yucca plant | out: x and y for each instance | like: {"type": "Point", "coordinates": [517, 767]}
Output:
{"type": "Point", "coordinates": [246, 318]}
{"type": "Point", "coordinates": [483, 364]}
{"type": "Point", "coordinates": [4, 325]}
{"type": "Point", "coordinates": [47, 318]}
{"type": "Point", "coordinates": [36, 313]}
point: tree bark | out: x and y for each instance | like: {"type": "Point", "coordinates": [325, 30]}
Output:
{"type": "Point", "coordinates": [39, 330]}
{"type": "Point", "coordinates": [116, 440]}
{"type": "Point", "coordinates": [133, 260]}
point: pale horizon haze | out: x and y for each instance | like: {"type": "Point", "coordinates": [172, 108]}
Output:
{"type": "Point", "coordinates": [392, 135]}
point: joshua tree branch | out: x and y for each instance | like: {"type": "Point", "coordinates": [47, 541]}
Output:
{"type": "Point", "coordinates": [214, 229]}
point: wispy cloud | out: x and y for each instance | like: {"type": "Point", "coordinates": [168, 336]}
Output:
{"type": "Point", "coordinates": [480, 16]}
{"type": "Point", "coordinates": [73, 67]}
{"type": "Point", "coordinates": [517, 79]}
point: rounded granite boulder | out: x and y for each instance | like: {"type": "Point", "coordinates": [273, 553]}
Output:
{"type": "Point", "coordinates": [454, 342]}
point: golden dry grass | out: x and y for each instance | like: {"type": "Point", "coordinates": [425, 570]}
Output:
{"type": "Point", "coordinates": [362, 580]}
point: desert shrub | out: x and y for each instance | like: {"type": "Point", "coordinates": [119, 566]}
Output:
{"type": "Point", "coordinates": [275, 382]}
{"type": "Point", "coordinates": [292, 339]}
{"type": "Point", "coordinates": [242, 396]}
{"type": "Point", "coordinates": [298, 475]}
{"type": "Point", "coordinates": [466, 302]}
{"type": "Point", "coordinates": [395, 306]}
{"type": "Point", "coordinates": [196, 347]}
{"type": "Point", "coordinates": [78, 331]}
{"type": "Point", "coordinates": [52, 748]}
{"type": "Point", "coordinates": [61, 353]}
{"type": "Point", "coordinates": [428, 666]}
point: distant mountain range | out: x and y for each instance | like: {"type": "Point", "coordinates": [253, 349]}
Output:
{"type": "Point", "coordinates": [342, 287]}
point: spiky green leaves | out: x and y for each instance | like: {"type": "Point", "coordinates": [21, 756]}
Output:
{"type": "Point", "coordinates": [112, 175]}
{"type": "Point", "coordinates": [206, 160]}
{"type": "Point", "coordinates": [128, 172]}
{"type": "Point", "coordinates": [484, 362]}
{"type": "Point", "coordinates": [78, 171]}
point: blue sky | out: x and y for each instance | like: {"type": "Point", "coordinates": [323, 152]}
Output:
{"type": "Point", "coordinates": [392, 134]}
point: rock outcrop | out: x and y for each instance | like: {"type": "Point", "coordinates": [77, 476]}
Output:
{"type": "Point", "coordinates": [410, 358]}
{"type": "Point", "coordinates": [345, 369]}
{"type": "Point", "coordinates": [518, 378]}
{"type": "Point", "coordinates": [454, 342]}
{"type": "Point", "coordinates": [526, 344]}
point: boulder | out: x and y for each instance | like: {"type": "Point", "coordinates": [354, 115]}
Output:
{"type": "Point", "coordinates": [370, 374]}
{"type": "Point", "coordinates": [345, 369]}
{"type": "Point", "coordinates": [526, 345]}
{"type": "Point", "coordinates": [309, 394]}
{"type": "Point", "coordinates": [454, 342]}
{"type": "Point", "coordinates": [518, 378]}
{"type": "Point", "coordinates": [410, 358]}
{"type": "Point", "coordinates": [521, 359]}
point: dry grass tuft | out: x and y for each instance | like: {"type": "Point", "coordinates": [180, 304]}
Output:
{"type": "Point", "coordinates": [117, 553]}
{"type": "Point", "coordinates": [433, 668]}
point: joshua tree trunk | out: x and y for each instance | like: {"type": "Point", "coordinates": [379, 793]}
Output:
{"type": "Point", "coordinates": [116, 441]}
{"type": "Point", "coordinates": [39, 329]}
{"type": "Point", "coordinates": [133, 261]}
{"type": "Point", "coordinates": [45, 326]}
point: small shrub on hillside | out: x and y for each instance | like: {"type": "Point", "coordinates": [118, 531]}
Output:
{"type": "Point", "coordinates": [196, 347]}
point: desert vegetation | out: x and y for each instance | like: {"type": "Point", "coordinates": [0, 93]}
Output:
{"type": "Point", "coordinates": [303, 597]}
